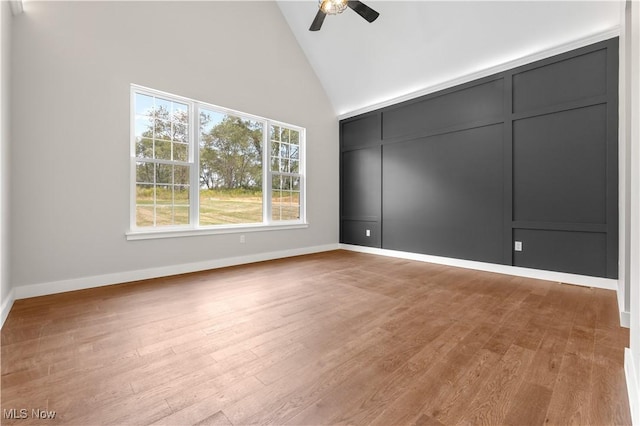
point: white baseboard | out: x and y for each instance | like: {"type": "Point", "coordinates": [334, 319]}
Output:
{"type": "Point", "coordinates": [43, 289]}
{"type": "Point", "coordinates": [7, 304]}
{"type": "Point", "coordinates": [625, 319]}
{"type": "Point", "coordinates": [562, 277]}
{"type": "Point", "coordinates": [632, 386]}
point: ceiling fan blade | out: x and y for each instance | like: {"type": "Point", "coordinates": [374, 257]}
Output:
{"type": "Point", "coordinates": [317, 21]}
{"type": "Point", "coordinates": [363, 10]}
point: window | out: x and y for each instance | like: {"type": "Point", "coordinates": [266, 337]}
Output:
{"type": "Point", "coordinates": [162, 161]}
{"type": "Point", "coordinates": [199, 167]}
{"type": "Point", "coordinates": [285, 173]}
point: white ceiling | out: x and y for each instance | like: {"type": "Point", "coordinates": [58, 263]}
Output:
{"type": "Point", "coordinates": [417, 45]}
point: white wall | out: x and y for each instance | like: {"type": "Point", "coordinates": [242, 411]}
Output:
{"type": "Point", "coordinates": [6, 295]}
{"type": "Point", "coordinates": [73, 63]}
{"type": "Point", "coordinates": [624, 170]}
{"type": "Point", "coordinates": [632, 356]}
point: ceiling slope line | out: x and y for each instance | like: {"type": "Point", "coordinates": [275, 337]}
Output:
{"type": "Point", "coordinates": [514, 63]}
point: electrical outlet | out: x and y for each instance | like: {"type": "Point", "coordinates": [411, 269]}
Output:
{"type": "Point", "coordinates": [242, 239]}
{"type": "Point", "coordinates": [367, 232]}
{"type": "Point", "coordinates": [517, 246]}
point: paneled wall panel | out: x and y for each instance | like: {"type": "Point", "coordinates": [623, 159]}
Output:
{"type": "Point", "coordinates": [467, 105]}
{"type": "Point", "coordinates": [361, 180]}
{"type": "Point", "coordinates": [573, 79]}
{"type": "Point", "coordinates": [562, 251]}
{"type": "Point", "coordinates": [559, 167]}
{"type": "Point", "coordinates": [364, 131]}
{"type": "Point", "coordinates": [361, 233]}
{"type": "Point", "coordinates": [443, 195]}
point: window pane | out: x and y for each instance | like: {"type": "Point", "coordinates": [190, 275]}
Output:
{"type": "Point", "coordinates": [276, 182]}
{"type": "Point", "coordinates": [209, 119]}
{"type": "Point", "coordinates": [162, 129]}
{"type": "Point", "coordinates": [164, 173]}
{"type": "Point", "coordinates": [181, 152]}
{"type": "Point", "coordinates": [286, 182]}
{"type": "Point", "coordinates": [145, 172]}
{"type": "Point", "coordinates": [284, 150]}
{"type": "Point", "coordinates": [164, 215]}
{"type": "Point", "coordinates": [181, 215]}
{"type": "Point", "coordinates": [181, 195]}
{"type": "Point", "coordinates": [180, 132]}
{"type": "Point", "coordinates": [144, 215]}
{"type": "Point", "coordinates": [144, 194]}
{"type": "Point", "coordinates": [275, 133]}
{"type": "Point", "coordinates": [144, 104]}
{"type": "Point", "coordinates": [162, 150]}
{"type": "Point", "coordinates": [164, 194]}
{"type": "Point", "coordinates": [181, 175]}
{"type": "Point", "coordinates": [230, 169]}
{"type": "Point", "coordinates": [275, 164]}
{"type": "Point", "coordinates": [144, 148]}
{"type": "Point", "coordinates": [295, 137]}
{"type": "Point", "coordinates": [276, 198]}
{"type": "Point", "coordinates": [294, 151]}
{"type": "Point", "coordinates": [163, 105]}
{"type": "Point", "coordinates": [144, 127]}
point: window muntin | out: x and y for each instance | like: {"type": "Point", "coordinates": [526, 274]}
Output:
{"type": "Point", "coordinates": [198, 166]}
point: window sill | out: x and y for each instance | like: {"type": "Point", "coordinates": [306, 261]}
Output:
{"type": "Point", "coordinates": [150, 234]}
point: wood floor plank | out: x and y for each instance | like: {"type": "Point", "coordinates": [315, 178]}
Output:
{"type": "Point", "coordinates": [570, 403]}
{"type": "Point", "coordinates": [330, 338]}
{"type": "Point", "coordinates": [453, 396]}
{"type": "Point", "coordinates": [491, 404]}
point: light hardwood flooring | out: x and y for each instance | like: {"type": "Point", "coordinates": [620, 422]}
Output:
{"type": "Point", "coordinates": [330, 338]}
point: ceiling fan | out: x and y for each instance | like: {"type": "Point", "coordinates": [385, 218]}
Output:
{"type": "Point", "coordinates": [334, 7]}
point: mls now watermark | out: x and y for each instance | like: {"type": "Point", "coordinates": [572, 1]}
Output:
{"type": "Point", "coordinates": [23, 413]}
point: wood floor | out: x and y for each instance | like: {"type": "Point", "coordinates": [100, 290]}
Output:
{"type": "Point", "coordinates": [330, 338]}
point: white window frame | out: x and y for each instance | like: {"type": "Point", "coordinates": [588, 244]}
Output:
{"type": "Point", "coordinates": [194, 228]}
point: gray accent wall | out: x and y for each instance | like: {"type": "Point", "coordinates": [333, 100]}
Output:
{"type": "Point", "coordinates": [528, 155]}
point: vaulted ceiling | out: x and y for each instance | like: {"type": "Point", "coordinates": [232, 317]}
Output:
{"type": "Point", "coordinates": [417, 45]}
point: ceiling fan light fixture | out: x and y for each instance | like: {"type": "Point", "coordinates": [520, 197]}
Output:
{"type": "Point", "coordinates": [332, 7]}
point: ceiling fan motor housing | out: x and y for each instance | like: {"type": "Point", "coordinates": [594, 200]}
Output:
{"type": "Point", "coordinates": [332, 7]}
